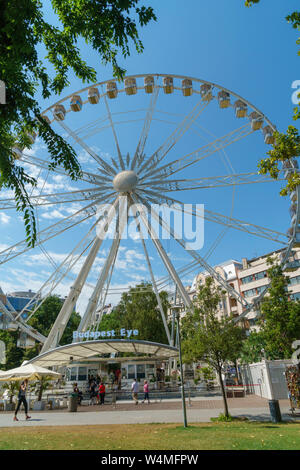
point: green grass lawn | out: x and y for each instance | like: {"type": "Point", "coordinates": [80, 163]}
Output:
{"type": "Point", "coordinates": [203, 436]}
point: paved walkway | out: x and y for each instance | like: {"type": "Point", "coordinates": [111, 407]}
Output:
{"type": "Point", "coordinates": [201, 410]}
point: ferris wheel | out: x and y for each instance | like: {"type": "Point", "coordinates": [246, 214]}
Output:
{"type": "Point", "coordinates": [150, 143]}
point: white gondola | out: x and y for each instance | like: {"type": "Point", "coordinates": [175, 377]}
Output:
{"type": "Point", "coordinates": [206, 92]}
{"type": "Point", "coordinates": [111, 90]}
{"type": "Point", "coordinates": [32, 136]}
{"type": "Point", "coordinates": [130, 86]}
{"type": "Point", "coordinates": [93, 95]}
{"type": "Point", "coordinates": [293, 210]}
{"type": "Point", "coordinates": [76, 103]}
{"type": "Point", "coordinates": [168, 85]}
{"type": "Point", "coordinates": [289, 166]}
{"type": "Point", "coordinates": [187, 87]}
{"type": "Point", "coordinates": [223, 99]}
{"type": "Point", "coordinates": [24, 341]}
{"type": "Point", "coordinates": [256, 121]}
{"type": "Point", "coordinates": [48, 121]}
{"type": "Point", "coordinates": [59, 112]}
{"type": "Point", "coordinates": [268, 135]}
{"type": "Point", "coordinates": [149, 84]}
{"type": "Point", "coordinates": [241, 109]}
{"type": "Point", "coordinates": [293, 196]}
{"type": "Point", "coordinates": [17, 151]}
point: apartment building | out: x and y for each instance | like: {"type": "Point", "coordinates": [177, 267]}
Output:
{"type": "Point", "coordinates": [249, 278]}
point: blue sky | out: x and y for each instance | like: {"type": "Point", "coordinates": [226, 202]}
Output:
{"type": "Point", "coordinates": [251, 51]}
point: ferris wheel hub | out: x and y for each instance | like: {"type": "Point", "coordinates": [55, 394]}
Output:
{"type": "Point", "coordinates": [125, 181]}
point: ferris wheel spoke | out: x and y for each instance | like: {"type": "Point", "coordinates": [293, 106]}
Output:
{"type": "Point", "coordinates": [56, 198]}
{"type": "Point", "coordinates": [199, 154]}
{"type": "Point", "coordinates": [121, 161]}
{"type": "Point", "coordinates": [208, 182]}
{"type": "Point", "coordinates": [227, 221]}
{"type": "Point", "coordinates": [55, 229]}
{"type": "Point", "coordinates": [162, 253]}
{"type": "Point", "coordinates": [104, 165]}
{"type": "Point", "coordinates": [61, 271]}
{"type": "Point", "coordinates": [171, 141]}
{"type": "Point", "coordinates": [63, 317]}
{"type": "Point", "coordinates": [154, 283]}
{"type": "Point", "coordinates": [85, 176]}
{"type": "Point", "coordinates": [110, 260]}
{"type": "Point", "coordinates": [196, 256]}
{"type": "Point", "coordinates": [139, 156]}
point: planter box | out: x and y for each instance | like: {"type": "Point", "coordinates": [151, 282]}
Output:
{"type": "Point", "coordinates": [39, 405]}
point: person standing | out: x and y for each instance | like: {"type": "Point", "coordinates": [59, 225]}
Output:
{"type": "Point", "coordinates": [102, 393]}
{"type": "Point", "coordinates": [135, 390]}
{"type": "Point", "coordinates": [22, 399]}
{"type": "Point", "coordinates": [146, 392]}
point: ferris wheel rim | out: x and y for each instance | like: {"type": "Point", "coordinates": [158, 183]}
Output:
{"type": "Point", "coordinates": [221, 88]}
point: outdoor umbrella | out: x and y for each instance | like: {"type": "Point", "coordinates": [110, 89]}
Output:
{"type": "Point", "coordinates": [27, 371]}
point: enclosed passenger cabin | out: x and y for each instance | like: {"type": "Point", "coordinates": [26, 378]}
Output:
{"type": "Point", "coordinates": [223, 99]}
{"type": "Point", "coordinates": [111, 90]}
{"type": "Point", "coordinates": [17, 151]}
{"type": "Point", "coordinates": [93, 95]}
{"type": "Point", "coordinates": [76, 103]}
{"type": "Point", "coordinates": [187, 87]}
{"type": "Point", "coordinates": [256, 120]}
{"type": "Point", "coordinates": [59, 112]}
{"type": "Point", "coordinates": [206, 92]}
{"type": "Point", "coordinates": [32, 136]}
{"type": "Point", "coordinates": [130, 86]}
{"type": "Point", "coordinates": [168, 85]}
{"type": "Point", "coordinates": [149, 84]}
{"type": "Point", "coordinates": [241, 109]}
{"type": "Point", "coordinates": [268, 135]}
{"type": "Point", "coordinates": [46, 119]}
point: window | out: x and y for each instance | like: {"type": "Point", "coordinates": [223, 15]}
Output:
{"type": "Point", "coordinates": [131, 371]}
{"type": "Point", "coordinates": [82, 375]}
{"type": "Point", "coordinates": [247, 279]}
{"type": "Point", "coordinates": [250, 293]}
{"type": "Point", "coordinates": [295, 296]}
{"type": "Point", "coordinates": [294, 280]}
{"type": "Point", "coordinates": [73, 373]}
{"type": "Point", "coordinates": [260, 289]}
{"type": "Point", "coordinates": [140, 371]}
{"type": "Point", "coordinates": [260, 275]}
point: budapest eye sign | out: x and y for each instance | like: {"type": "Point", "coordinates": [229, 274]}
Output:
{"type": "Point", "coordinates": [105, 334]}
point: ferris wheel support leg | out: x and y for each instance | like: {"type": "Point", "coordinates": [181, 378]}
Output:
{"type": "Point", "coordinates": [69, 304]}
{"type": "Point", "coordinates": [154, 285]}
{"type": "Point", "coordinates": [93, 301]}
{"type": "Point", "coordinates": [166, 260]}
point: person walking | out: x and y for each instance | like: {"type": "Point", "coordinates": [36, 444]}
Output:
{"type": "Point", "coordinates": [135, 390]}
{"type": "Point", "coordinates": [22, 399]}
{"type": "Point", "coordinates": [102, 393]}
{"type": "Point", "coordinates": [146, 392]}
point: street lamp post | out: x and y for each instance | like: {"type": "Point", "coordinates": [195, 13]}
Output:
{"type": "Point", "coordinates": [181, 368]}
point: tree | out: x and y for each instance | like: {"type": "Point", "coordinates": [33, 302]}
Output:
{"type": "Point", "coordinates": [279, 324]}
{"type": "Point", "coordinates": [107, 26]}
{"type": "Point", "coordinates": [207, 337]}
{"type": "Point", "coordinates": [41, 386]}
{"type": "Point", "coordinates": [46, 314]}
{"type": "Point", "coordinates": [287, 145]}
{"type": "Point", "coordinates": [14, 355]}
{"type": "Point", "coordinates": [138, 310]}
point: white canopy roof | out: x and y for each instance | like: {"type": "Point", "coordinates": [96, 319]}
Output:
{"type": "Point", "coordinates": [87, 349]}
